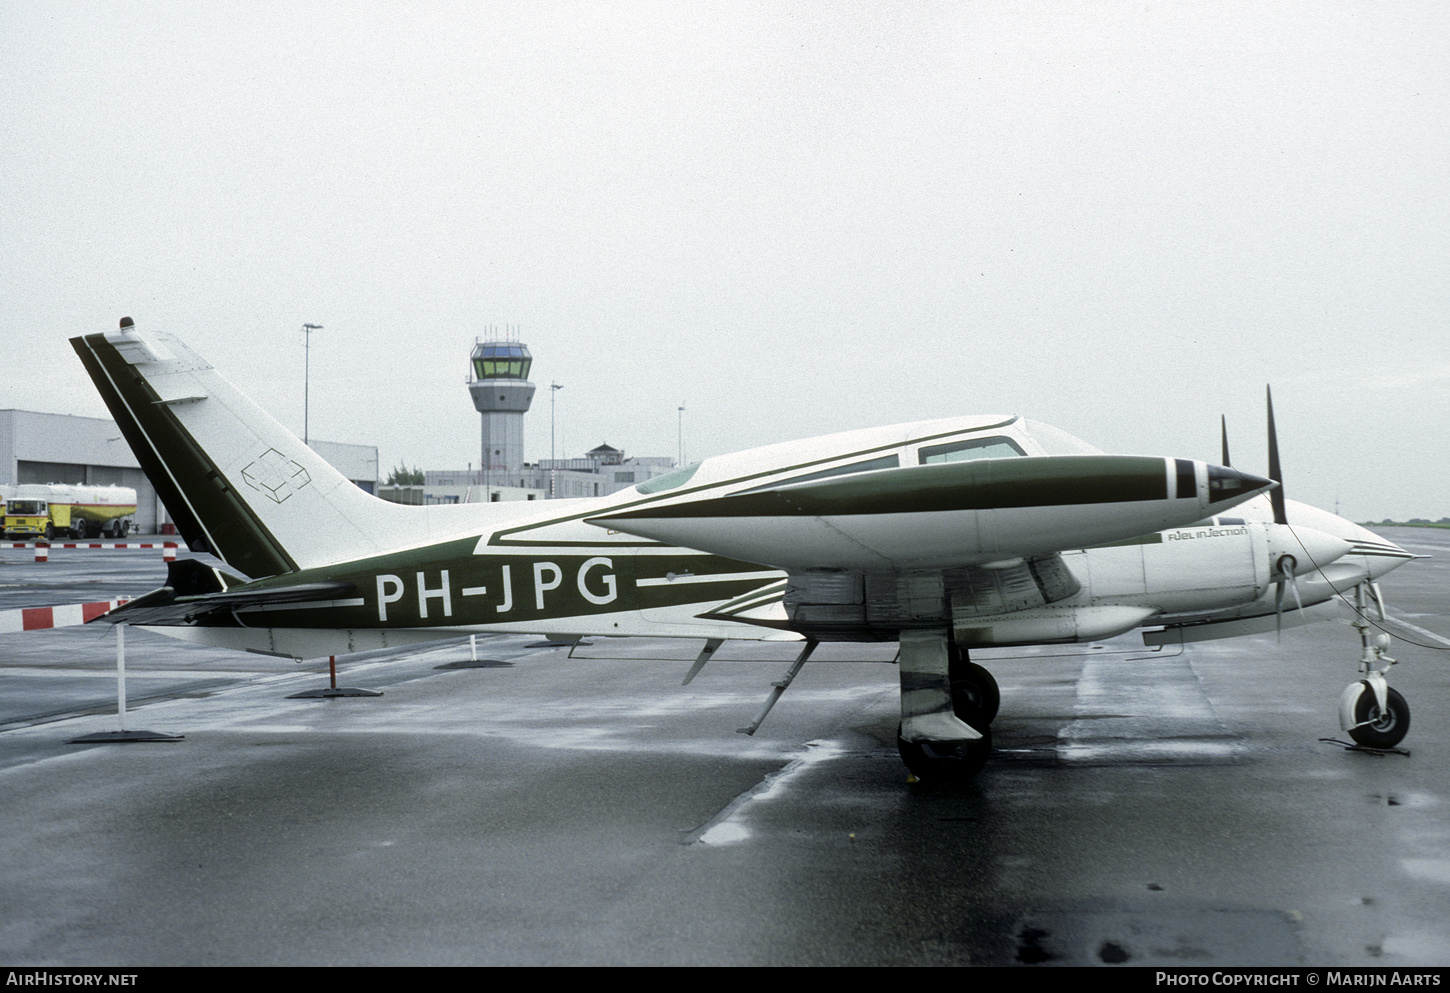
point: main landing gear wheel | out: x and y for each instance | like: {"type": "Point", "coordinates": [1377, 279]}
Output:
{"type": "Point", "coordinates": [952, 762]}
{"type": "Point", "coordinates": [973, 690]}
{"type": "Point", "coordinates": [941, 690]}
{"type": "Point", "coordinates": [1380, 730]}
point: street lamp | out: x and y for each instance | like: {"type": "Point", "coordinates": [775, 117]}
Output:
{"type": "Point", "coordinates": [681, 433]}
{"type": "Point", "coordinates": [307, 330]}
{"type": "Point", "coordinates": [554, 389]}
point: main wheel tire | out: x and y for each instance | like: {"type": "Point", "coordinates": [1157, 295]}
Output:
{"type": "Point", "coordinates": [1380, 730]}
{"type": "Point", "coordinates": [974, 692]}
{"type": "Point", "coordinates": [947, 761]}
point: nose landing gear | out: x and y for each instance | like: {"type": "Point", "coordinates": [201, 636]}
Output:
{"type": "Point", "coordinates": [1374, 715]}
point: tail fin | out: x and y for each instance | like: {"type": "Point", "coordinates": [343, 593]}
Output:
{"type": "Point", "coordinates": [237, 483]}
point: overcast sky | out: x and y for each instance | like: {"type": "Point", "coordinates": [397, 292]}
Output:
{"type": "Point", "coordinates": [791, 218]}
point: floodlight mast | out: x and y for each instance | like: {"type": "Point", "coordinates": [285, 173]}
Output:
{"type": "Point", "coordinates": [307, 330]}
{"type": "Point", "coordinates": [554, 389]}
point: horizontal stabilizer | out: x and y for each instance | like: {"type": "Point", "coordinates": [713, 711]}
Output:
{"type": "Point", "coordinates": [165, 606]}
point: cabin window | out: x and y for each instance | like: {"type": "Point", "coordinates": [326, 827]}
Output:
{"type": "Point", "coordinates": [974, 448]}
{"type": "Point", "coordinates": [871, 465]}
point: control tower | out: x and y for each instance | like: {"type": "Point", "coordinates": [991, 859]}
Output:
{"type": "Point", "coordinates": [499, 382]}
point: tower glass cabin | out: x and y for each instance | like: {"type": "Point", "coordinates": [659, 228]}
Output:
{"type": "Point", "coordinates": [502, 393]}
{"type": "Point", "coordinates": [501, 360]}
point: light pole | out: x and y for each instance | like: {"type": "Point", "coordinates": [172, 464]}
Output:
{"type": "Point", "coordinates": [307, 330]}
{"type": "Point", "coordinates": [554, 389]}
{"type": "Point", "coordinates": [681, 439]}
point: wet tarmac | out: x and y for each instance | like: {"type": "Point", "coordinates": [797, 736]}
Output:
{"type": "Point", "coordinates": [1168, 809]}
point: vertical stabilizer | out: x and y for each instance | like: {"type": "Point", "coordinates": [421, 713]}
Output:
{"type": "Point", "coordinates": [237, 483]}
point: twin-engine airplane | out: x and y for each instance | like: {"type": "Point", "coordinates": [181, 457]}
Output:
{"type": "Point", "coordinates": [943, 535]}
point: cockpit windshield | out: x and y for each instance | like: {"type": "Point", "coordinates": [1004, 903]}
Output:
{"type": "Point", "coordinates": [669, 480]}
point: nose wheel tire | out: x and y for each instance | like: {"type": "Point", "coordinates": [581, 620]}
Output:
{"type": "Point", "coordinates": [1376, 729]}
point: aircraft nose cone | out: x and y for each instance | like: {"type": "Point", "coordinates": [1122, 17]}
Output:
{"type": "Point", "coordinates": [1226, 484]}
{"type": "Point", "coordinates": [1379, 554]}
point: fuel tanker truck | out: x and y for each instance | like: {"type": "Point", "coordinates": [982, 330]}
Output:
{"type": "Point", "coordinates": [46, 510]}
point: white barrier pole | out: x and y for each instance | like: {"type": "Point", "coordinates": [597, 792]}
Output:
{"type": "Point", "coordinates": [121, 674]}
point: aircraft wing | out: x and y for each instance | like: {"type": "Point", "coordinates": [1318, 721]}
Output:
{"type": "Point", "coordinates": [942, 516]}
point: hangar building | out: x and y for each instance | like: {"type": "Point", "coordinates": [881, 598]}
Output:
{"type": "Point", "coordinates": [61, 448]}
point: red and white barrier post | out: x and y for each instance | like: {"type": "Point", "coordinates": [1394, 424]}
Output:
{"type": "Point", "coordinates": [42, 548]}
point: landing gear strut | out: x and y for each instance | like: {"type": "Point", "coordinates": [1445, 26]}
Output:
{"type": "Point", "coordinates": [1374, 715]}
{"type": "Point", "coordinates": [947, 706]}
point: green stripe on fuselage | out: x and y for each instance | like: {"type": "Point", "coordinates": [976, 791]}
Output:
{"type": "Point", "coordinates": [447, 585]}
{"type": "Point", "coordinates": [1156, 538]}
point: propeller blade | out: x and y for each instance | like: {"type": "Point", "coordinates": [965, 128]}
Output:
{"type": "Point", "coordinates": [1285, 570]}
{"type": "Point", "coordinates": [1279, 610]}
{"type": "Point", "coordinates": [1224, 421]}
{"type": "Point", "coordinates": [1276, 495]}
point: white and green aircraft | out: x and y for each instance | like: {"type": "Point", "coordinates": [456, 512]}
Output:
{"type": "Point", "coordinates": [941, 535]}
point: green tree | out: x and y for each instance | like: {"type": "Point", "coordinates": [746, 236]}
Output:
{"type": "Point", "coordinates": [403, 476]}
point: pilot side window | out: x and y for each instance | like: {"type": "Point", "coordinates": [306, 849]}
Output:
{"type": "Point", "coordinates": [974, 448]}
